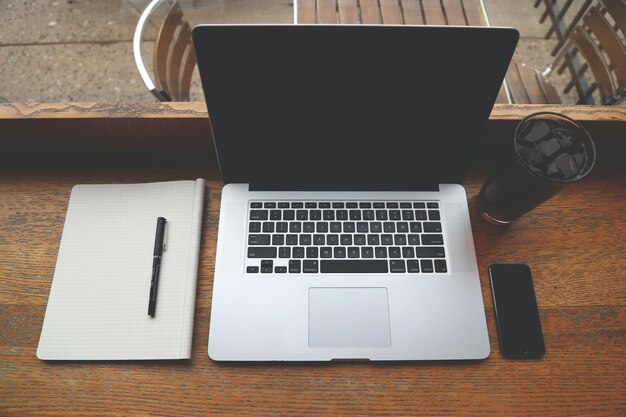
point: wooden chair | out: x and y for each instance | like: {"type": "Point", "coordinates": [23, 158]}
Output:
{"type": "Point", "coordinates": [174, 58]}
{"type": "Point", "coordinates": [561, 23]}
{"type": "Point", "coordinates": [594, 55]}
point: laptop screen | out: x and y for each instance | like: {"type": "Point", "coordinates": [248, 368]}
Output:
{"type": "Point", "coordinates": [349, 107]}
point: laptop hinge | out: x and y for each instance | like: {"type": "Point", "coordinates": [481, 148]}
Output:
{"type": "Point", "coordinates": [282, 186]}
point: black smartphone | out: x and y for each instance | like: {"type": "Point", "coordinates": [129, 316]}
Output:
{"type": "Point", "coordinates": [517, 316]}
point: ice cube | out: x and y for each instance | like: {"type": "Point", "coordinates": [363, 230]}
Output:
{"type": "Point", "coordinates": [553, 171]}
{"type": "Point", "coordinates": [564, 136]}
{"type": "Point", "coordinates": [581, 160]}
{"type": "Point", "coordinates": [549, 147]}
{"type": "Point", "coordinates": [566, 165]}
{"type": "Point", "coordinates": [533, 158]}
{"type": "Point", "coordinates": [535, 131]}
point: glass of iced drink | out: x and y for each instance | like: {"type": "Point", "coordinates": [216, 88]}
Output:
{"type": "Point", "coordinates": [550, 151]}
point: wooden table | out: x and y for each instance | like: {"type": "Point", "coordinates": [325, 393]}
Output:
{"type": "Point", "coordinates": [574, 244]}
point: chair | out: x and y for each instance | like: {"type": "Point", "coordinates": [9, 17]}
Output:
{"type": "Point", "coordinates": [594, 55]}
{"type": "Point", "coordinates": [174, 59]}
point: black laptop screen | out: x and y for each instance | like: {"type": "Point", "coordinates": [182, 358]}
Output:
{"type": "Point", "coordinates": [349, 107]}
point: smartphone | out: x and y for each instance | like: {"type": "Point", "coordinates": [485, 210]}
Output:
{"type": "Point", "coordinates": [517, 317]}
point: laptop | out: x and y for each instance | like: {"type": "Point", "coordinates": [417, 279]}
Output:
{"type": "Point", "coordinates": [344, 231]}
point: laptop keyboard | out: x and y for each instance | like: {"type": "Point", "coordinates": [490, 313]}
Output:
{"type": "Point", "coordinates": [300, 237]}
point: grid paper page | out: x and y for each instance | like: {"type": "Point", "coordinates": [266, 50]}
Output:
{"type": "Point", "coordinates": [98, 303]}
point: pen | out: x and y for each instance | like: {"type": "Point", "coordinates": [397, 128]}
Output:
{"type": "Point", "coordinates": [159, 247]}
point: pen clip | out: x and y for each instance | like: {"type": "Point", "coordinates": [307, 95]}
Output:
{"type": "Point", "coordinates": [165, 237]}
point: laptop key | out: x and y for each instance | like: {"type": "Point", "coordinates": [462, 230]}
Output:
{"type": "Point", "coordinates": [326, 252]}
{"type": "Point", "coordinates": [353, 266]}
{"type": "Point", "coordinates": [408, 252]}
{"type": "Point", "coordinates": [267, 266]}
{"type": "Point", "coordinates": [308, 227]}
{"type": "Point", "coordinates": [283, 205]}
{"type": "Point", "coordinates": [312, 252]}
{"type": "Point", "coordinates": [359, 240]}
{"type": "Point", "coordinates": [338, 205]}
{"type": "Point", "coordinates": [305, 240]}
{"type": "Point", "coordinates": [399, 240]}
{"type": "Point", "coordinates": [403, 227]}
{"type": "Point", "coordinates": [430, 252]}
{"type": "Point", "coordinates": [407, 214]}
{"type": "Point", "coordinates": [394, 252]}
{"type": "Point", "coordinates": [282, 227]}
{"type": "Point", "coordinates": [381, 214]}
{"type": "Point", "coordinates": [394, 215]}
{"type": "Point", "coordinates": [349, 227]}
{"type": "Point", "coordinates": [346, 240]}
{"type": "Point", "coordinates": [254, 227]}
{"type": "Point", "coordinates": [434, 215]}
{"type": "Point", "coordinates": [416, 227]}
{"type": "Point", "coordinates": [376, 227]}
{"type": "Point", "coordinates": [414, 240]}
{"type": "Point", "coordinates": [420, 215]}
{"type": "Point", "coordinates": [269, 205]}
{"type": "Point", "coordinates": [355, 215]}
{"type": "Point", "coordinates": [365, 205]}
{"type": "Point", "coordinates": [339, 252]}
{"type": "Point", "coordinates": [405, 205]}
{"type": "Point", "coordinates": [379, 205]}
{"type": "Point", "coordinates": [278, 240]}
{"type": "Point", "coordinates": [419, 205]}
{"type": "Point", "coordinates": [392, 205]}
{"type": "Point", "coordinates": [291, 240]}
{"type": "Point", "coordinates": [322, 227]}
{"type": "Point", "coordinates": [332, 240]}
{"type": "Point", "coordinates": [297, 205]}
{"type": "Point", "coordinates": [335, 227]}
{"type": "Point", "coordinates": [432, 227]}
{"type": "Point", "coordinates": [298, 252]}
{"type": "Point", "coordinates": [328, 215]}
{"type": "Point", "coordinates": [252, 269]}
{"type": "Point", "coordinates": [289, 215]}
{"type": "Point", "coordinates": [413, 266]}
{"type": "Point", "coordinates": [352, 205]}
{"type": "Point", "coordinates": [261, 252]}
{"type": "Point", "coordinates": [256, 204]}
{"type": "Point", "coordinates": [302, 215]}
{"type": "Point", "coordinates": [389, 227]}
{"type": "Point", "coordinates": [324, 205]}
{"type": "Point", "coordinates": [315, 215]}
{"type": "Point", "coordinates": [295, 227]}
{"type": "Point", "coordinates": [367, 252]}
{"type": "Point", "coordinates": [280, 269]}
{"type": "Point", "coordinates": [427, 265]}
{"type": "Point", "coordinates": [310, 266]}
{"type": "Point", "coordinates": [284, 252]}
{"type": "Point", "coordinates": [432, 239]}
{"type": "Point", "coordinates": [295, 266]}
{"type": "Point", "coordinates": [310, 205]}
{"type": "Point", "coordinates": [380, 252]}
{"type": "Point", "coordinates": [342, 214]}
{"type": "Point", "coordinates": [397, 266]}
{"type": "Point", "coordinates": [432, 205]}
{"type": "Point", "coordinates": [268, 227]}
{"type": "Point", "coordinates": [386, 239]}
{"type": "Point", "coordinates": [440, 265]}
{"type": "Point", "coordinates": [319, 240]}
{"type": "Point", "coordinates": [258, 214]}
{"type": "Point", "coordinates": [362, 227]}
{"type": "Point", "coordinates": [373, 240]}
{"type": "Point", "coordinates": [274, 214]}
{"type": "Point", "coordinates": [353, 252]}
{"type": "Point", "coordinates": [368, 215]}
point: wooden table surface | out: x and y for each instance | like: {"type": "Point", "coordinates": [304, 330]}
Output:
{"type": "Point", "coordinates": [573, 243]}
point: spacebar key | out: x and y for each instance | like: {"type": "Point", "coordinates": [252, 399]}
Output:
{"type": "Point", "coordinates": [353, 266]}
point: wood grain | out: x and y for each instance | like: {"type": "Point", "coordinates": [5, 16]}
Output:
{"type": "Point", "coordinates": [574, 244]}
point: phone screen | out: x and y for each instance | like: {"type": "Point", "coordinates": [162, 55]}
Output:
{"type": "Point", "coordinates": [519, 327]}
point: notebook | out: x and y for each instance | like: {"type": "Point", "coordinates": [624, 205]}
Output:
{"type": "Point", "coordinates": [98, 303]}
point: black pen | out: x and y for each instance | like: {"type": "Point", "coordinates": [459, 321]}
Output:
{"type": "Point", "coordinates": [159, 247]}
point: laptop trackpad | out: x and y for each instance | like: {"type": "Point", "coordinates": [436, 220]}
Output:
{"type": "Point", "coordinates": [348, 318]}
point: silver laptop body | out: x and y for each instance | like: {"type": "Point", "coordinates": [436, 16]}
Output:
{"type": "Point", "coordinates": [344, 232]}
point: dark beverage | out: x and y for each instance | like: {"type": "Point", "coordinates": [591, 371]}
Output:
{"type": "Point", "coordinates": [550, 151]}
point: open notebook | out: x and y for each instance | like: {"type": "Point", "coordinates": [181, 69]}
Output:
{"type": "Point", "coordinates": [98, 304]}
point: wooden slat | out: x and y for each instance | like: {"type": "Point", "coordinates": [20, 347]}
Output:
{"type": "Point", "coordinates": [433, 12]}
{"type": "Point", "coordinates": [391, 12]}
{"type": "Point", "coordinates": [307, 13]}
{"type": "Point", "coordinates": [163, 44]}
{"type": "Point", "coordinates": [412, 12]}
{"type": "Point", "coordinates": [516, 85]}
{"type": "Point", "coordinates": [596, 63]}
{"type": "Point", "coordinates": [370, 12]}
{"type": "Point", "coordinates": [531, 84]}
{"type": "Point", "coordinates": [611, 44]}
{"type": "Point", "coordinates": [502, 98]}
{"type": "Point", "coordinates": [188, 65]}
{"type": "Point", "coordinates": [548, 89]}
{"type": "Point", "coordinates": [348, 12]}
{"type": "Point", "coordinates": [175, 62]}
{"type": "Point", "coordinates": [617, 10]}
{"type": "Point", "coordinates": [454, 12]}
{"type": "Point", "coordinates": [327, 11]}
{"type": "Point", "coordinates": [474, 15]}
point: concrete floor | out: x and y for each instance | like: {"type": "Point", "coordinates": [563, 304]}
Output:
{"type": "Point", "coordinates": [81, 50]}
